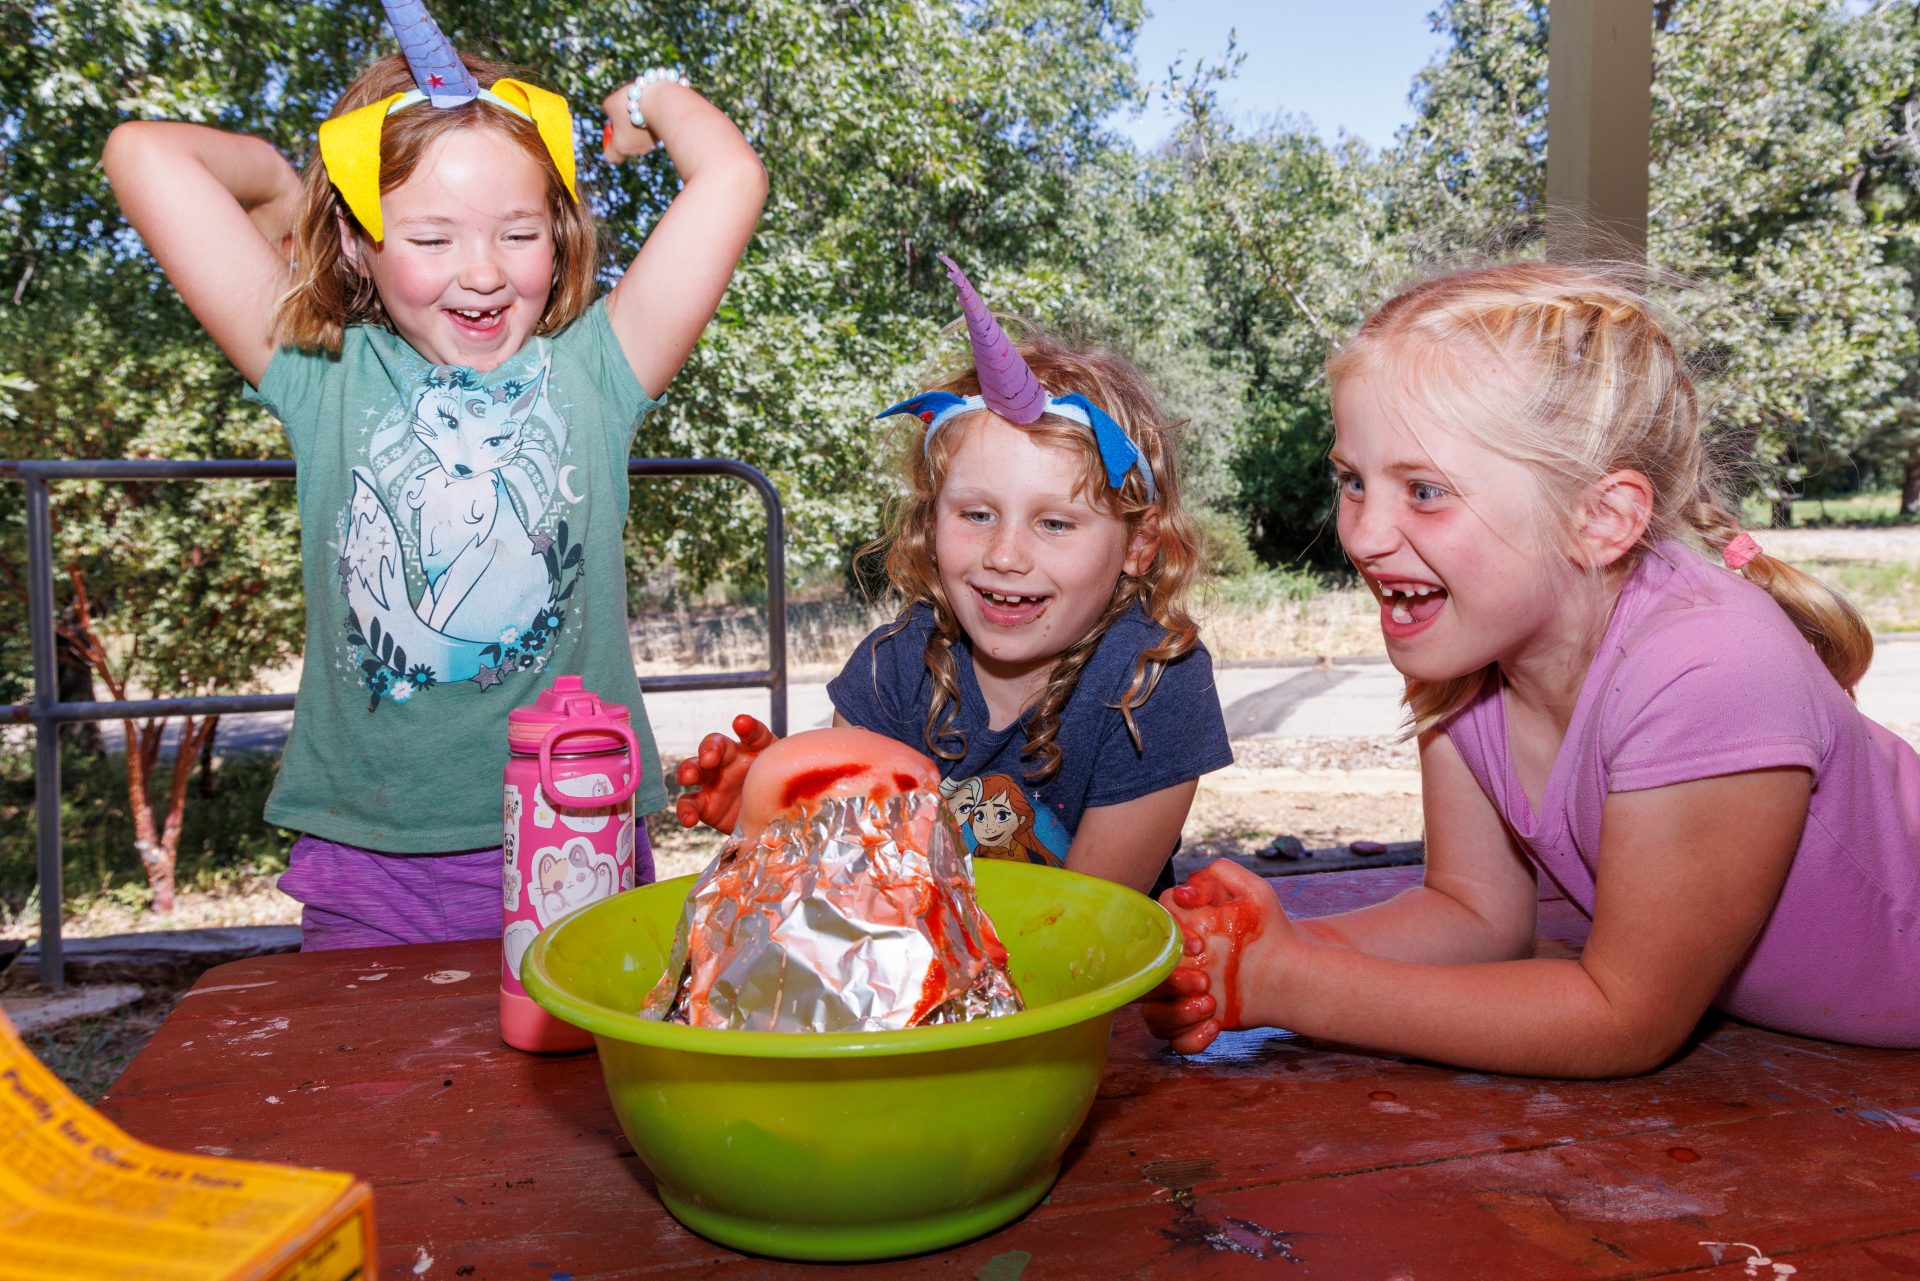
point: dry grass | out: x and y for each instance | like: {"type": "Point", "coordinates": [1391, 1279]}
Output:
{"type": "Point", "coordinates": [1339, 622]}
{"type": "Point", "coordinates": [821, 634]}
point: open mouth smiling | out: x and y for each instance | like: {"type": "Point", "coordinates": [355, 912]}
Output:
{"type": "Point", "coordinates": [1007, 609]}
{"type": "Point", "coordinates": [477, 318]}
{"type": "Point", "coordinates": [1408, 603]}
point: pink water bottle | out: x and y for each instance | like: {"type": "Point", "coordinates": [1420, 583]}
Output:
{"type": "Point", "coordinates": [567, 835]}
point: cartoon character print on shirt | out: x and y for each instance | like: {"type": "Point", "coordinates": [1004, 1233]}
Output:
{"type": "Point", "coordinates": [998, 819]}
{"type": "Point", "coordinates": [455, 560]}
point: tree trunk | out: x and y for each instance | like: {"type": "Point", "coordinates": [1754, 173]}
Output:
{"type": "Point", "coordinates": [73, 683]}
{"type": "Point", "coordinates": [143, 743]}
{"type": "Point", "coordinates": [1910, 491]}
{"type": "Point", "coordinates": [206, 758]}
{"type": "Point", "coordinates": [186, 753]}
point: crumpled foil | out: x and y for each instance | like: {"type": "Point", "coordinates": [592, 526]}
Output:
{"type": "Point", "coordinates": [837, 922]}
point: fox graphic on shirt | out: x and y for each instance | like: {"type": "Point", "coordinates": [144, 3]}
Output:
{"type": "Point", "coordinates": [472, 482]}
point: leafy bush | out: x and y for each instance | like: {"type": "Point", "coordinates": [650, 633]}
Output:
{"type": "Point", "coordinates": [1270, 585]}
{"type": "Point", "coordinates": [1284, 481]}
{"type": "Point", "coordinates": [1225, 550]}
{"type": "Point", "coordinates": [98, 858]}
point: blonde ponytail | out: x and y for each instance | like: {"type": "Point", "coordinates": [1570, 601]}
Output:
{"type": "Point", "coordinates": [1827, 619]}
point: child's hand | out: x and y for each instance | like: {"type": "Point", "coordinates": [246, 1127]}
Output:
{"type": "Point", "coordinates": [1237, 938]}
{"type": "Point", "coordinates": [619, 140]}
{"type": "Point", "coordinates": [1180, 1010]}
{"type": "Point", "coordinates": [718, 771]}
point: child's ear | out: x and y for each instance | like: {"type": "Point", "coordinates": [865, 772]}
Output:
{"type": "Point", "coordinates": [350, 247]}
{"type": "Point", "coordinates": [1614, 516]}
{"type": "Point", "coordinates": [1144, 544]}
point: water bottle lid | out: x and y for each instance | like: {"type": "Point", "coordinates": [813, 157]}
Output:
{"type": "Point", "coordinates": [568, 703]}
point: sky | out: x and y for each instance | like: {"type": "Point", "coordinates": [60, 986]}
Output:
{"type": "Point", "coordinates": [1343, 64]}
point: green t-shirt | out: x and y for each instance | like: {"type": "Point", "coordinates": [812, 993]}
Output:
{"type": "Point", "coordinates": [461, 544]}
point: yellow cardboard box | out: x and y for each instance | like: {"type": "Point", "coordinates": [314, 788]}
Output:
{"type": "Point", "coordinates": [80, 1198]}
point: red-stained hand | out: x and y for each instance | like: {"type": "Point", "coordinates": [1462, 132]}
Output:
{"type": "Point", "coordinates": [1180, 1011]}
{"type": "Point", "coordinates": [1228, 916]}
{"type": "Point", "coordinates": [717, 773]}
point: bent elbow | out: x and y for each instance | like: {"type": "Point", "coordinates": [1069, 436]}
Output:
{"type": "Point", "coordinates": [1633, 1052]}
{"type": "Point", "coordinates": [752, 179]}
{"type": "Point", "coordinates": [122, 141]}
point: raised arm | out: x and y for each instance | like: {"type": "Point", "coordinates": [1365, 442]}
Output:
{"type": "Point", "coordinates": [675, 282]}
{"type": "Point", "coordinates": [216, 210]}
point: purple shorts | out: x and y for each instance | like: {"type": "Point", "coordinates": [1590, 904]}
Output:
{"type": "Point", "coordinates": [352, 897]}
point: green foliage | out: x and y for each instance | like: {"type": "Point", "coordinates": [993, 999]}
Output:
{"type": "Point", "coordinates": [1223, 541]}
{"type": "Point", "coordinates": [1784, 189]}
{"type": "Point", "coordinates": [1269, 585]}
{"type": "Point", "coordinates": [1771, 118]}
{"type": "Point", "coordinates": [221, 839]}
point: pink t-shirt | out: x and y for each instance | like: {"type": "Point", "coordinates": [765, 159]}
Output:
{"type": "Point", "coordinates": [1700, 674]}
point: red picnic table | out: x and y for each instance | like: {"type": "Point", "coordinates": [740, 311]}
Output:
{"type": "Point", "coordinates": [1753, 1154]}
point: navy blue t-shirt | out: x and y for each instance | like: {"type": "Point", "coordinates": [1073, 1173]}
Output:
{"type": "Point", "coordinates": [885, 687]}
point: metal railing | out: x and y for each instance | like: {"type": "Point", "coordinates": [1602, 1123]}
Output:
{"type": "Point", "coordinates": [45, 710]}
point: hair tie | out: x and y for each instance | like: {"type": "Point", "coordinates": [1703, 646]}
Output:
{"type": "Point", "coordinates": [1739, 550]}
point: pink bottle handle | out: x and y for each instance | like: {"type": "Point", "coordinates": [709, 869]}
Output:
{"type": "Point", "coordinates": [559, 732]}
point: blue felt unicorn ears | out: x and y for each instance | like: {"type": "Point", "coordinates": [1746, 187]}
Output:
{"type": "Point", "coordinates": [1008, 387]}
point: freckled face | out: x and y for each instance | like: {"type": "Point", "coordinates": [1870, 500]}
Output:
{"type": "Point", "coordinates": [466, 267]}
{"type": "Point", "coordinates": [995, 821]}
{"type": "Point", "coordinates": [1027, 563]}
{"type": "Point", "coordinates": [1441, 529]}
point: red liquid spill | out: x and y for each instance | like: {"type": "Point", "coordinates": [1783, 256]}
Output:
{"type": "Point", "coordinates": [1240, 922]}
{"type": "Point", "coordinates": [933, 989]}
{"type": "Point", "coordinates": [932, 992]}
{"type": "Point", "coordinates": [1683, 1154]}
{"type": "Point", "coordinates": [809, 785]}
{"type": "Point", "coordinates": [905, 783]}
{"type": "Point", "coordinates": [1383, 1096]}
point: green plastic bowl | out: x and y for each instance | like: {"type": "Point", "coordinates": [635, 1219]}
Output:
{"type": "Point", "coordinates": [861, 1145]}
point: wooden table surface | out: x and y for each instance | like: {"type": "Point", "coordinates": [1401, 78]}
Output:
{"type": "Point", "coordinates": [1752, 1155]}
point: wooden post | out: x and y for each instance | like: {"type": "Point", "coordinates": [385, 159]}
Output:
{"type": "Point", "coordinates": [1599, 117]}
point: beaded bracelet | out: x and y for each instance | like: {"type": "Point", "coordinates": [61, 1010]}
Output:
{"type": "Point", "coordinates": [651, 76]}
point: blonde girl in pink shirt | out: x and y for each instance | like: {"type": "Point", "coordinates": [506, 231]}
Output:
{"type": "Point", "coordinates": [1610, 682]}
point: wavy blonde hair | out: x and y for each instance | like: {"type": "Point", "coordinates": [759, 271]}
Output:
{"type": "Point", "coordinates": [1594, 384]}
{"type": "Point", "coordinates": [1111, 382]}
{"type": "Point", "coordinates": [329, 291]}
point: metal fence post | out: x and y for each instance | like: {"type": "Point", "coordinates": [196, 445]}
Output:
{"type": "Point", "coordinates": [46, 735]}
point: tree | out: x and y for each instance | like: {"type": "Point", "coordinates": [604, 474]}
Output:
{"type": "Point", "coordinates": [166, 589]}
{"type": "Point", "coordinates": [1285, 233]}
{"type": "Point", "coordinates": [891, 131]}
{"type": "Point", "coordinates": [1758, 149]}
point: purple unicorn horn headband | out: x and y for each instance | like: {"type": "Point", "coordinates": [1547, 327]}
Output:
{"type": "Point", "coordinates": [1008, 388]}
{"type": "Point", "coordinates": [436, 67]}
{"type": "Point", "coordinates": [1007, 383]}
{"type": "Point", "coordinates": [350, 143]}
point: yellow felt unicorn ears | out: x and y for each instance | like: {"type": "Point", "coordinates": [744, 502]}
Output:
{"type": "Point", "coordinates": [550, 116]}
{"type": "Point", "coordinates": [350, 144]}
